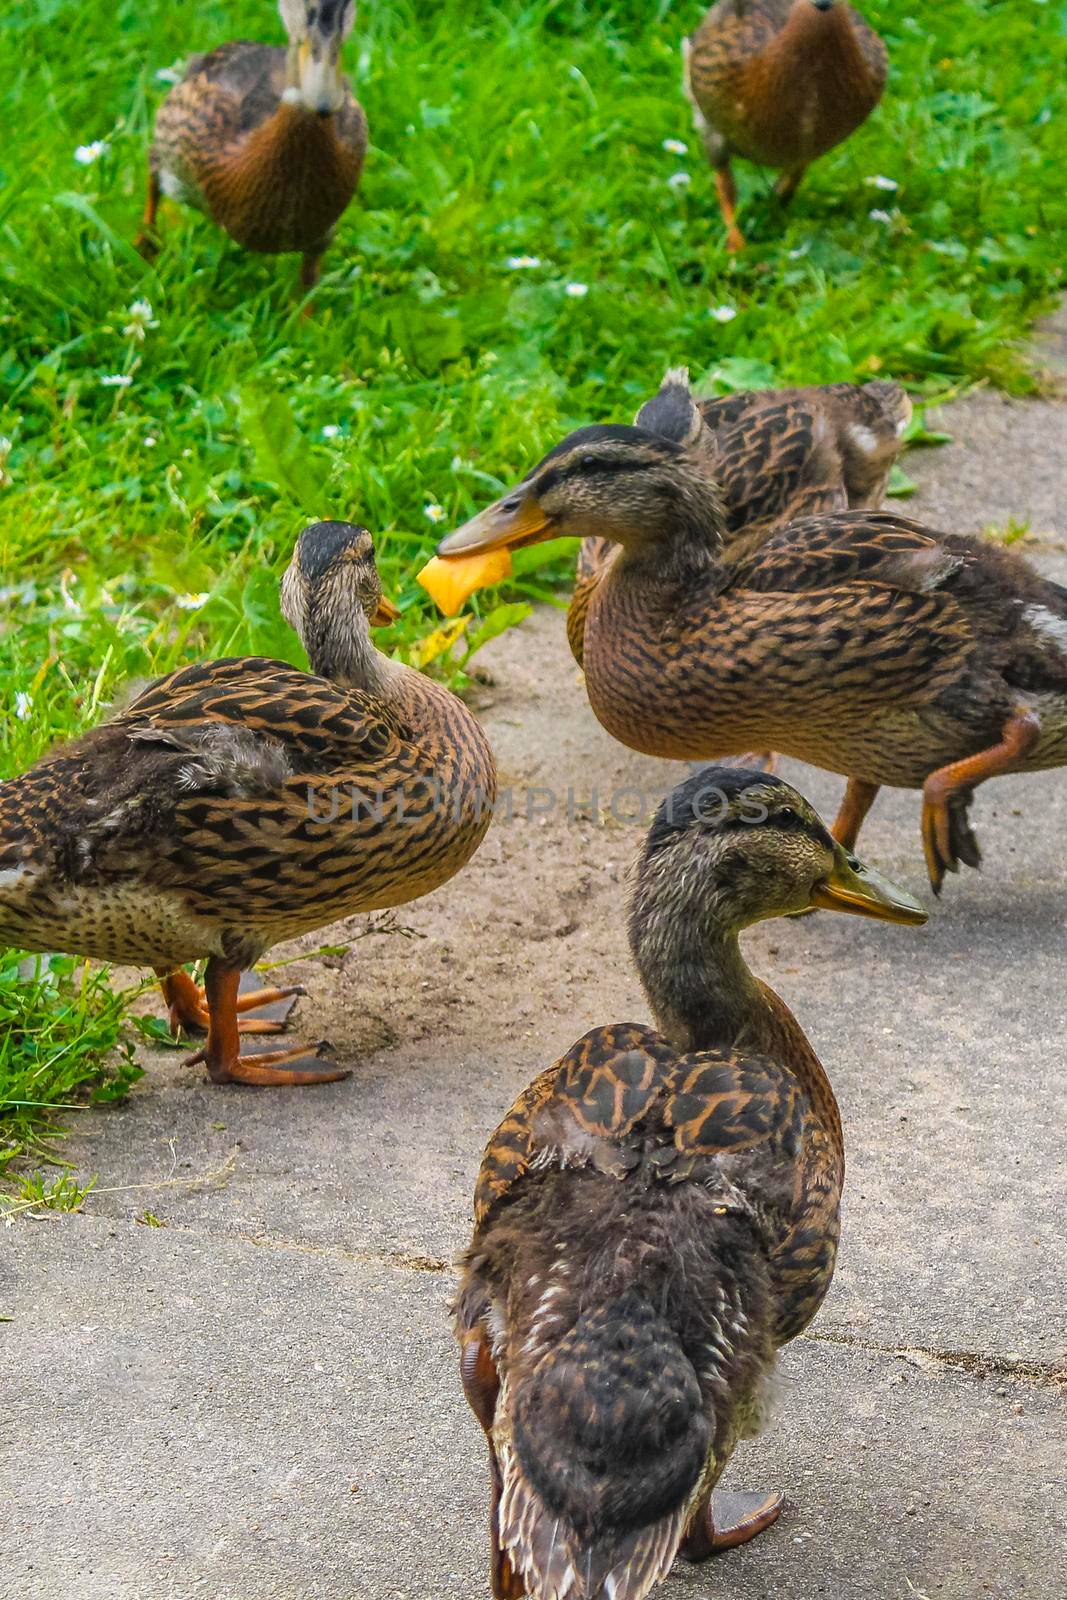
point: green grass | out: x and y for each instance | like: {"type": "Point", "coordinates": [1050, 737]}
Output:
{"type": "Point", "coordinates": [431, 372]}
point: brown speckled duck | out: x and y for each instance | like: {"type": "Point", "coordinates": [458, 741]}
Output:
{"type": "Point", "coordinates": [860, 641]}
{"type": "Point", "coordinates": [658, 1214]}
{"type": "Point", "coordinates": [779, 82]}
{"type": "Point", "coordinates": [775, 455]}
{"type": "Point", "coordinates": [268, 141]}
{"type": "Point", "coordinates": [240, 802]}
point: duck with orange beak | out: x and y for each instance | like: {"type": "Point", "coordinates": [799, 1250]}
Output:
{"type": "Point", "coordinates": [239, 802]}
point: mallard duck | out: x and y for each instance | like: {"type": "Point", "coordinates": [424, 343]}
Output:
{"type": "Point", "coordinates": [269, 142]}
{"type": "Point", "coordinates": [240, 802]}
{"type": "Point", "coordinates": [860, 641]}
{"type": "Point", "coordinates": [657, 1214]}
{"type": "Point", "coordinates": [779, 82]}
{"type": "Point", "coordinates": [775, 454]}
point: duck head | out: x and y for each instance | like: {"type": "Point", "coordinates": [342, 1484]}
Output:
{"type": "Point", "coordinates": [317, 29]}
{"type": "Point", "coordinates": [331, 594]}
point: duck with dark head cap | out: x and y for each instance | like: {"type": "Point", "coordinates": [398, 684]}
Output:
{"type": "Point", "coordinates": [240, 802]}
{"type": "Point", "coordinates": [658, 1214]}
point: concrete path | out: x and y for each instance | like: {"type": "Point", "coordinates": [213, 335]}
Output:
{"type": "Point", "coordinates": [259, 1400]}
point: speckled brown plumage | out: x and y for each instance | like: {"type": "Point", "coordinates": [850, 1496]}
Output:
{"type": "Point", "coordinates": [273, 173]}
{"type": "Point", "coordinates": [239, 802]}
{"type": "Point", "coordinates": [779, 82]}
{"type": "Point", "coordinates": [860, 641]}
{"type": "Point", "coordinates": [774, 455]}
{"type": "Point", "coordinates": [655, 1216]}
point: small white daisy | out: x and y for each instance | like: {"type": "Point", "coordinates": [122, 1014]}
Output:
{"type": "Point", "coordinates": [141, 319]}
{"type": "Point", "coordinates": [191, 602]}
{"type": "Point", "coordinates": [435, 512]}
{"type": "Point", "coordinates": [577, 291]}
{"type": "Point", "coordinates": [518, 263]}
{"type": "Point", "coordinates": [116, 380]}
{"type": "Point", "coordinates": [23, 705]}
{"type": "Point", "coordinates": [86, 154]}
{"type": "Point", "coordinates": [679, 180]}
{"type": "Point", "coordinates": [675, 147]}
{"type": "Point", "coordinates": [331, 430]}
{"type": "Point", "coordinates": [723, 313]}
{"type": "Point", "coordinates": [890, 185]}
{"type": "Point", "coordinates": [880, 216]}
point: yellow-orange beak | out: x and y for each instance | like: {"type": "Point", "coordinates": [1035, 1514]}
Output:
{"type": "Point", "coordinates": [517, 518]}
{"type": "Point", "coordinates": [856, 888]}
{"type": "Point", "coordinates": [386, 614]}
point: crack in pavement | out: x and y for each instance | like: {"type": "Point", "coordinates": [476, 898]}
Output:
{"type": "Point", "coordinates": [975, 1363]}
{"type": "Point", "coordinates": [402, 1260]}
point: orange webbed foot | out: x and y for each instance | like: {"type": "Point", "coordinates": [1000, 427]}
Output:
{"type": "Point", "coordinates": [727, 1519]}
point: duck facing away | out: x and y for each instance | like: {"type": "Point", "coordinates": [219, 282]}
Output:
{"type": "Point", "coordinates": [775, 455]}
{"type": "Point", "coordinates": [268, 141]}
{"type": "Point", "coordinates": [657, 1214]}
{"type": "Point", "coordinates": [240, 802]}
{"type": "Point", "coordinates": [779, 82]}
{"type": "Point", "coordinates": [860, 642]}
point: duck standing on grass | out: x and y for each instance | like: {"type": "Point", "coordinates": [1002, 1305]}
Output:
{"type": "Point", "coordinates": [779, 82]}
{"type": "Point", "coordinates": [240, 802]}
{"type": "Point", "coordinates": [657, 1214]}
{"type": "Point", "coordinates": [859, 641]}
{"type": "Point", "coordinates": [269, 142]}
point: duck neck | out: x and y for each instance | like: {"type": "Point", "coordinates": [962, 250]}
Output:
{"type": "Point", "coordinates": [699, 985]}
{"type": "Point", "coordinates": [348, 657]}
{"type": "Point", "coordinates": [816, 43]}
{"type": "Point", "coordinates": [683, 554]}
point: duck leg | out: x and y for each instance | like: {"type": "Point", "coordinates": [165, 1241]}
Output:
{"type": "Point", "coordinates": [481, 1385]}
{"type": "Point", "coordinates": [947, 794]}
{"type": "Point", "coordinates": [187, 1005]}
{"type": "Point", "coordinates": [726, 189]}
{"type": "Point", "coordinates": [222, 1052]}
{"type": "Point", "coordinates": [859, 798]}
{"type": "Point", "coordinates": [146, 241]}
{"type": "Point", "coordinates": [788, 184]}
{"type": "Point", "coordinates": [727, 1519]}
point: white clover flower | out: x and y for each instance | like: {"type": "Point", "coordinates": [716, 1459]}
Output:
{"type": "Point", "coordinates": [723, 313]}
{"type": "Point", "coordinates": [116, 380]}
{"type": "Point", "coordinates": [168, 75]}
{"type": "Point", "coordinates": [577, 291]}
{"type": "Point", "coordinates": [86, 154]}
{"type": "Point", "coordinates": [331, 430]}
{"type": "Point", "coordinates": [518, 263]}
{"type": "Point", "coordinates": [880, 216]}
{"type": "Point", "coordinates": [679, 180]}
{"type": "Point", "coordinates": [150, 441]}
{"type": "Point", "coordinates": [141, 319]}
{"type": "Point", "coordinates": [191, 602]}
{"type": "Point", "coordinates": [879, 181]}
{"type": "Point", "coordinates": [435, 512]}
{"type": "Point", "coordinates": [675, 147]}
{"type": "Point", "coordinates": [23, 705]}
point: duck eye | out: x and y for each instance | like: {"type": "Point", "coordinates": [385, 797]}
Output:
{"type": "Point", "coordinates": [587, 463]}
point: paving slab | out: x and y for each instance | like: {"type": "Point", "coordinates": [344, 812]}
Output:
{"type": "Point", "coordinates": [212, 1418]}
{"type": "Point", "coordinates": [188, 1407]}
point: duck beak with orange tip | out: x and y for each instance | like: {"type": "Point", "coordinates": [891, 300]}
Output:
{"type": "Point", "coordinates": [478, 554]}
{"type": "Point", "coordinates": [852, 886]}
{"type": "Point", "coordinates": [386, 614]}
